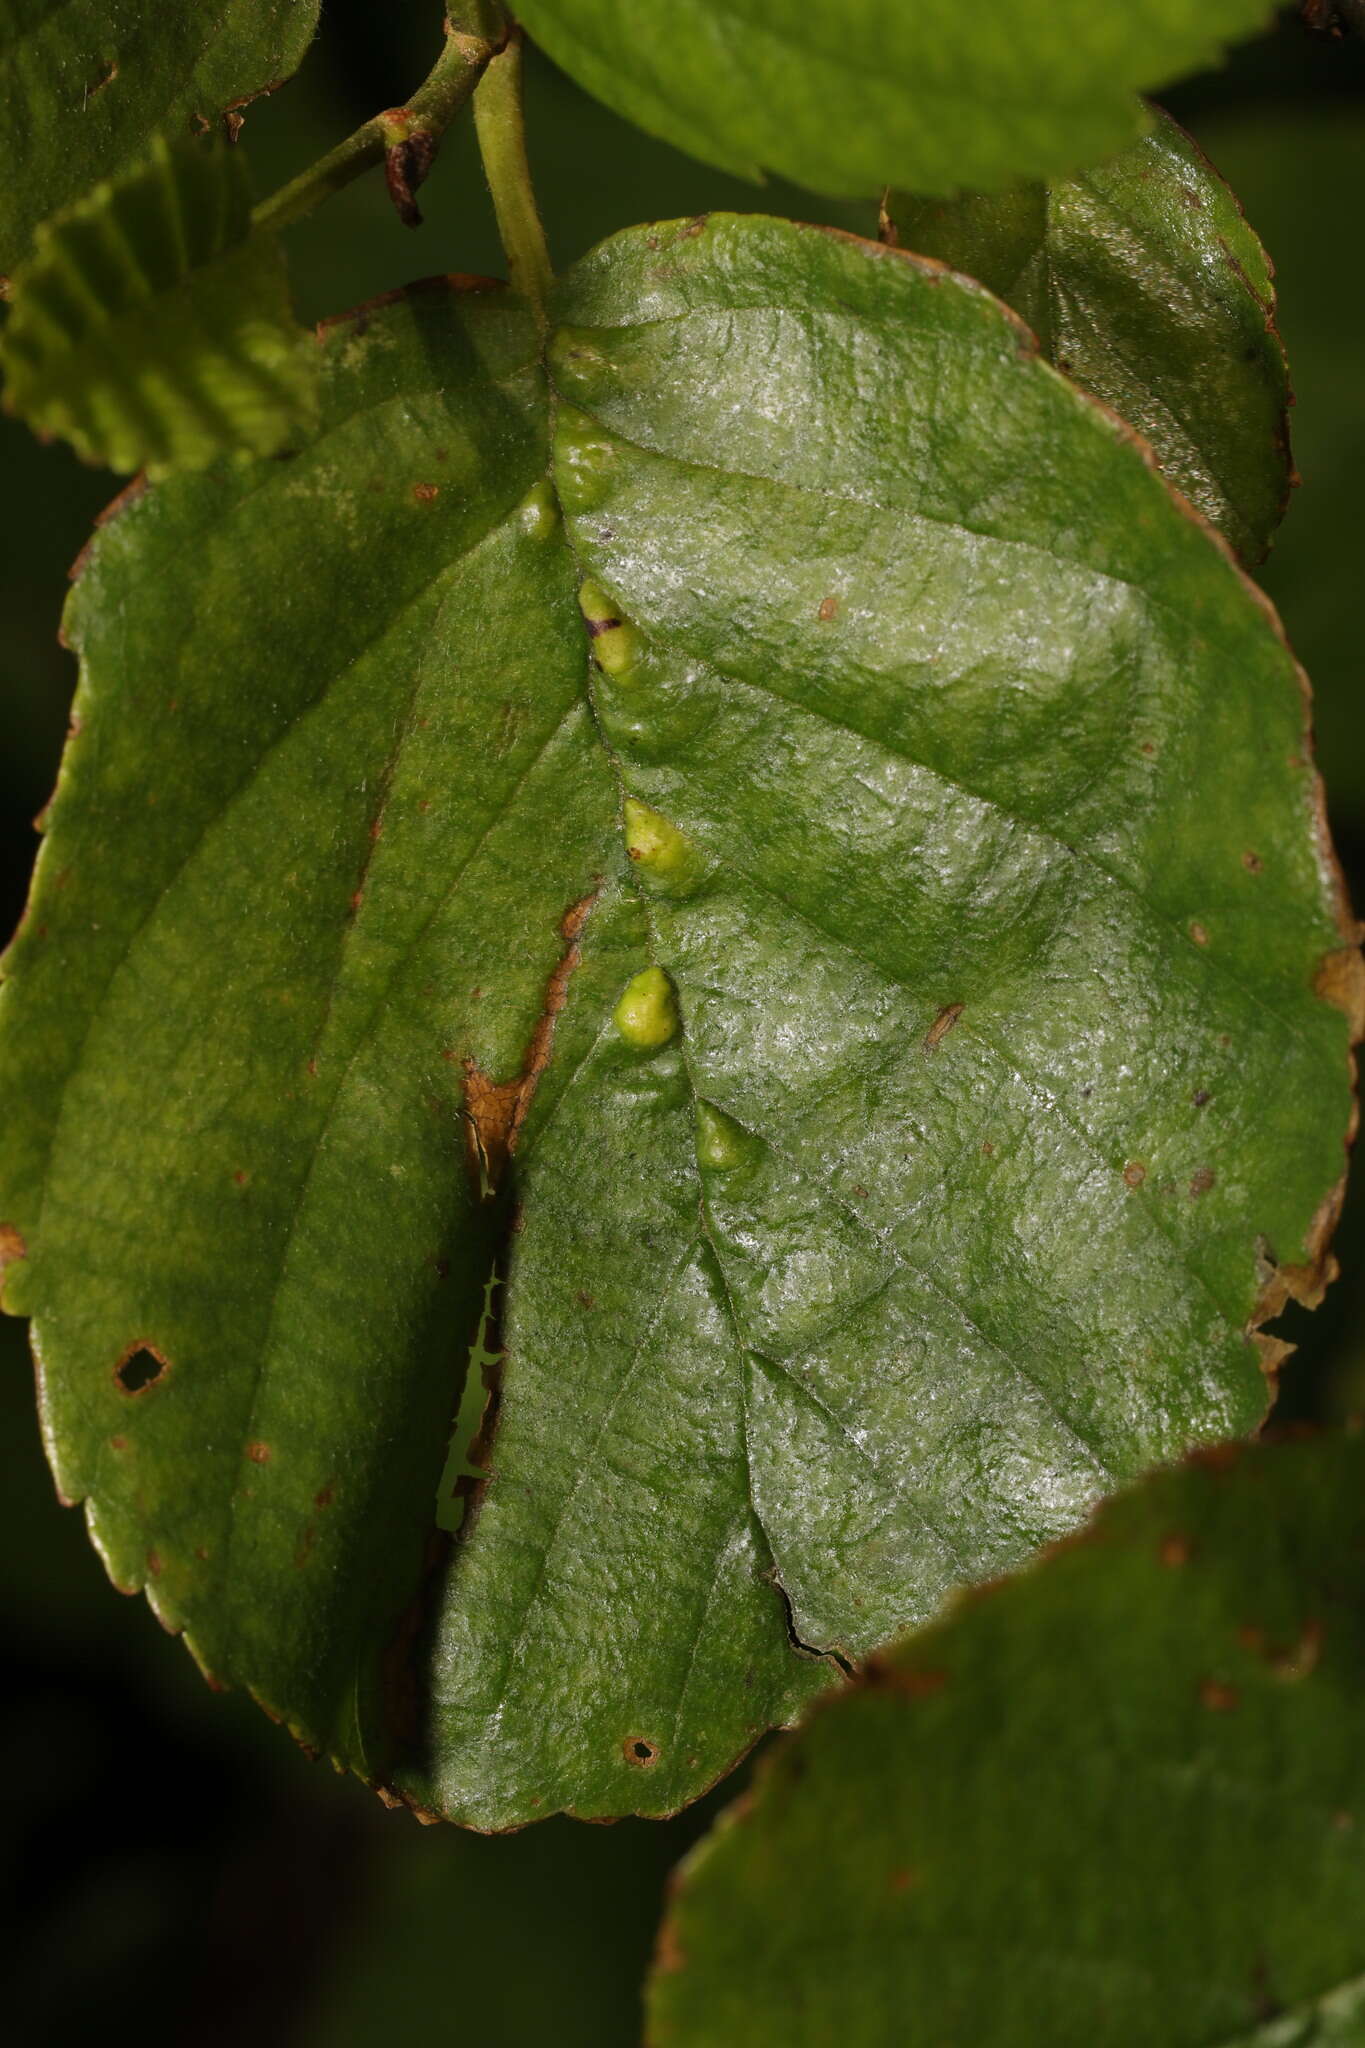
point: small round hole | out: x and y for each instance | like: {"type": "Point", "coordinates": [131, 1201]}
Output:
{"type": "Point", "coordinates": [140, 1367]}
{"type": "Point", "coordinates": [639, 1752]}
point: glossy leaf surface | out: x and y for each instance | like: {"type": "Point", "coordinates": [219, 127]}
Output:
{"type": "Point", "coordinates": [150, 327]}
{"type": "Point", "coordinates": [1125, 1790]}
{"type": "Point", "coordinates": [1144, 282]}
{"type": "Point", "coordinates": [88, 83]}
{"type": "Point", "coordinates": [846, 96]}
{"type": "Point", "coordinates": [790, 840]}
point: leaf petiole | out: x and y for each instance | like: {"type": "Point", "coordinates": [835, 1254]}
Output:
{"type": "Point", "coordinates": [499, 123]}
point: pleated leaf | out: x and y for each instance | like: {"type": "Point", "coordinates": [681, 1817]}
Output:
{"type": "Point", "coordinates": [151, 327]}
{"type": "Point", "coordinates": [779, 834]}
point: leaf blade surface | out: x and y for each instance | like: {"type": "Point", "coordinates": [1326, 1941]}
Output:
{"type": "Point", "coordinates": [1159, 1706]}
{"type": "Point", "coordinates": [1143, 280]}
{"type": "Point", "coordinates": [881, 1160]}
{"type": "Point", "coordinates": [88, 84]}
{"type": "Point", "coordinates": [846, 98]}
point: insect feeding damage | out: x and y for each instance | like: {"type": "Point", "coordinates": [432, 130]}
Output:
{"type": "Point", "coordinates": [495, 1111]}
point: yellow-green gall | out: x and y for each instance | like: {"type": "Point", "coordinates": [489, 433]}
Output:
{"type": "Point", "coordinates": [647, 1014]}
{"type": "Point", "coordinates": [722, 1144]}
{"type": "Point", "coordinates": [661, 852]}
{"type": "Point", "coordinates": [538, 512]}
{"type": "Point", "coordinates": [584, 461]}
{"type": "Point", "coordinates": [615, 642]}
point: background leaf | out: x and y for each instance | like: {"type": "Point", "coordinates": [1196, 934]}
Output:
{"type": "Point", "coordinates": [87, 83]}
{"type": "Point", "coordinates": [967, 959]}
{"type": "Point", "coordinates": [1144, 282]}
{"type": "Point", "coordinates": [151, 327]}
{"type": "Point", "coordinates": [1124, 1790]}
{"type": "Point", "coordinates": [850, 95]}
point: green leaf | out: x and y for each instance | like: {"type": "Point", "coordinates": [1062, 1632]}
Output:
{"type": "Point", "coordinates": [849, 95]}
{"type": "Point", "coordinates": [1143, 281]}
{"type": "Point", "coordinates": [1125, 1790]}
{"type": "Point", "coordinates": [151, 327]}
{"type": "Point", "coordinates": [867, 1010]}
{"type": "Point", "coordinates": [87, 84]}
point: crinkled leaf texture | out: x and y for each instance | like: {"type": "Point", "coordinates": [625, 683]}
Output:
{"type": "Point", "coordinates": [846, 96]}
{"type": "Point", "coordinates": [151, 327]}
{"type": "Point", "coordinates": [1124, 1791]}
{"type": "Point", "coordinates": [875, 991]}
{"type": "Point", "coordinates": [87, 83]}
{"type": "Point", "coordinates": [1144, 282]}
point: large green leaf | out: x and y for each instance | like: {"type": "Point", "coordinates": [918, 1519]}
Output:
{"type": "Point", "coordinates": [1117, 1800]}
{"type": "Point", "coordinates": [850, 95]}
{"type": "Point", "coordinates": [152, 327]}
{"type": "Point", "coordinates": [879, 1012]}
{"type": "Point", "coordinates": [1143, 281]}
{"type": "Point", "coordinates": [87, 83]}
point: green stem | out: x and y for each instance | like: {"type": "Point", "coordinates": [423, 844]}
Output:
{"type": "Point", "coordinates": [430, 111]}
{"type": "Point", "coordinates": [502, 144]}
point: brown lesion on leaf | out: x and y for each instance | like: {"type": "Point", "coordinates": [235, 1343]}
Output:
{"type": "Point", "coordinates": [941, 1026]}
{"type": "Point", "coordinates": [1217, 1697]}
{"type": "Point", "coordinates": [1287, 1661]}
{"type": "Point", "coordinates": [496, 1111]}
{"type": "Point", "coordinates": [12, 1247]}
{"type": "Point", "coordinates": [640, 1751]}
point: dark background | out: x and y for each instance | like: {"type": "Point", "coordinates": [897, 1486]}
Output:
{"type": "Point", "coordinates": [173, 1865]}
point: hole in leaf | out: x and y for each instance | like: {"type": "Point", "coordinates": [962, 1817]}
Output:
{"type": "Point", "coordinates": [640, 1752]}
{"type": "Point", "coordinates": [140, 1367]}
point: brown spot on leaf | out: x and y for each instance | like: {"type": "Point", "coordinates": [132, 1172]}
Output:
{"type": "Point", "coordinates": [424, 493]}
{"type": "Point", "coordinates": [12, 1247]}
{"type": "Point", "coordinates": [1134, 1173]}
{"type": "Point", "coordinates": [495, 1111]}
{"type": "Point", "coordinates": [118, 1443]}
{"type": "Point", "coordinates": [585, 1300]}
{"type": "Point", "coordinates": [1174, 1551]}
{"type": "Point", "coordinates": [1340, 980]}
{"type": "Point", "coordinates": [1251, 862]}
{"type": "Point", "coordinates": [941, 1026]}
{"type": "Point", "coordinates": [640, 1751]}
{"type": "Point", "coordinates": [140, 1368]}
{"type": "Point", "coordinates": [902, 1879]}
{"type": "Point", "coordinates": [1200, 1097]}
{"type": "Point", "coordinates": [1201, 1180]}
{"type": "Point", "coordinates": [829, 609]}
{"type": "Point", "coordinates": [258, 1453]}
{"type": "Point", "coordinates": [154, 1564]}
{"type": "Point", "coordinates": [324, 1496]}
{"type": "Point", "coordinates": [1199, 935]}
{"type": "Point", "coordinates": [1217, 1697]}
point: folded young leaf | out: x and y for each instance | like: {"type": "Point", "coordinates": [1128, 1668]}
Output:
{"type": "Point", "coordinates": [787, 837]}
{"type": "Point", "coordinates": [1119, 1799]}
{"type": "Point", "coordinates": [152, 328]}
{"type": "Point", "coordinates": [1144, 282]}
{"type": "Point", "coordinates": [846, 96]}
{"type": "Point", "coordinates": [86, 86]}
